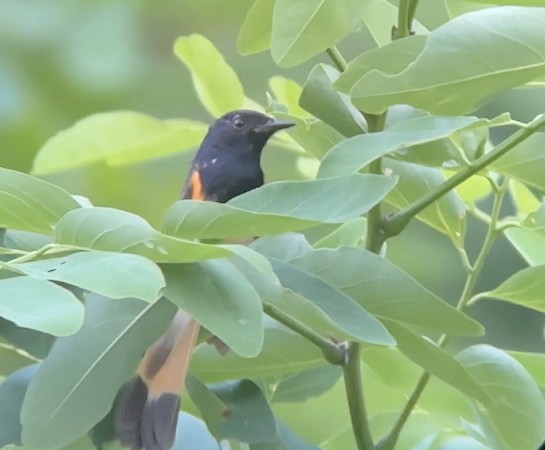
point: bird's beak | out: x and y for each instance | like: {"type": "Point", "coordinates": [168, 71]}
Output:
{"type": "Point", "coordinates": [273, 126]}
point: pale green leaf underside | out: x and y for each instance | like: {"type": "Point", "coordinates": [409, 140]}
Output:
{"type": "Point", "coordinates": [279, 207]}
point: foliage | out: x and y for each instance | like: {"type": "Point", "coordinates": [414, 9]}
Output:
{"type": "Point", "coordinates": [396, 135]}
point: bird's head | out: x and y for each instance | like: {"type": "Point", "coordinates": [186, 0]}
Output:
{"type": "Point", "coordinates": [243, 129]}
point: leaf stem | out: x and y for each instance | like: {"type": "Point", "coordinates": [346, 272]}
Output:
{"type": "Point", "coordinates": [473, 273]}
{"type": "Point", "coordinates": [405, 17]}
{"type": "Point", "coordinates": [337, 58]}
{"type": "Point", "coordinates": [394, 224]}
{"type": "Point", "coordinates": [34, 254]}
{"type": "Point", "coordinates": [333, 353]}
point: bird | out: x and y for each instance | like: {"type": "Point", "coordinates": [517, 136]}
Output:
{"type": "Point", "coordinates": [226, 165]}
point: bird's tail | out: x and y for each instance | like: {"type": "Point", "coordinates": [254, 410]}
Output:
{"type": "Point", "coordinates": [147, 412]}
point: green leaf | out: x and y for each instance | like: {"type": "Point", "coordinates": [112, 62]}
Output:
{"type": "Point", "coordinates": [287, 92]}
{"type": "Point", "coordinates": [494, 49]}
{"type": "Point", "coordinates": [221, 299]}
{"type": "Point", "coordinates": [283, 352]}
{"type": "Point", "coordinates": [12, 393]}
{"type": "Point", "coordinates": [117, 138]}
{"type": "Point", "coordinates": [302, 386]}
{"type": "Point", "coordinates": [314, 136]}
{"type": "Point", "coordinates": [256, 30]}
{"type": "Point", "coordinates": [511, 2]}
{"type": "Point", "coordinates": [310, 315]}
{"type": "Point", "coordinates": [284, 247]}
{"type": "Point", "coordinates": [525, 162]}
{"type": "Point", "coordinates": [516, 399]}
{"type": "Point", "coordinates": [245, 416]}
{"type": "Point", "coordinates": [344, 312]}
{"type": "Point", "coordinates": [333, 107]}
{"type": "Point", "coordinates": [349, 234]}
{"type": "Point", "coordinates": [298, 30]}
{"type": "Point", "coordinates": [216, 83]}
{"type": "Point", "coordinates": [40, 305]}
{"type": "Point", "coordinates": [525, 201]}
{"type": "Point", "coordinates": [101, 356]}
{"type": "Point", "coordinates": [446, 215]}
{"type": "Point", "coordinates": [529, 244]}
{"type": "Point", "coordinates": [436, 361]}
{"type": "Point", "coordinates": [351, 155]}
{"type": "Point", "coordinates": [111, 229]}
{"type": "Point", "coordinates": [278, 207]}
{"type": "Point", "coordinates": [524, 288]}
{"type": "Point", "coordinates": [31, 204]}
{"type": "Point", "coordinates": [114, 275]}
{"type": "Point", "coordinates": [25, 240]}
{"type": "Point", "coordinates": [386, 291]}
{"type": "Point", "coordinates": [533, 363]}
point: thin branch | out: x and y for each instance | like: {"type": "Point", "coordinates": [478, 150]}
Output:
{"type": "Point", "coordinates": [394, 224]}
{"type": "Point", "coordinates": [333, 353]}
{"type": "Point", "coordinates": [354, 394]}
{"type": "Point", "coordinates": [337, 58]}
{"type": "Point", "coordinates": [389, 442]}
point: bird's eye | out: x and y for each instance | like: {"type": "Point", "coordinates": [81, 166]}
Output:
{"type": "Point", "coordinates": [238, 122]}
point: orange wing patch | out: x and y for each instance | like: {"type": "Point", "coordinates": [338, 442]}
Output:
{"type": "Point", "coordinates": [194, 188]}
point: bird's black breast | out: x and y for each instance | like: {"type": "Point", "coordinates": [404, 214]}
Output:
{"type": "Point", "coordinates": [223, 179]}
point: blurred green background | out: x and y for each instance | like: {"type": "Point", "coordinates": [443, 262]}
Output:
{"type": "Point", "coordinates": [62, 60]}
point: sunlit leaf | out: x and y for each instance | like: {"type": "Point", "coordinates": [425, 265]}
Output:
{"type": "Point", "coordinates": [331, 106]}
{"type": "Point", "coordinates": [529, 244]}
{"type": "Point", "coordinates": [117, 137]}
{"type": "Point", "coordinates": [218, 94]}
{"type": "Point", "coordinates": [256, 30]}
{"type": "Point", "coordinates": [447, 214]}
{"type": "Point", "coordinates": [525, 162]}
{"type": "Point", "coordinates": [31, 204]}
{"type": "Point", "coordinates": [524, 288]}
{"type": "Point", "coordinates": [298, 30]}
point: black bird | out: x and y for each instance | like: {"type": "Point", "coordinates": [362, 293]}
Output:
{"type": "Point", "coordinates": [227, 164]}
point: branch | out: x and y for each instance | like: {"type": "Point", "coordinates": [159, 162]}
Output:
{"type": "Point", "coordinates": [473, 274]}
{"type": "Point", "coordinates": [333, 353]}
{"type": "Point", "coordinates": [354, 394]}
{"type": "Point", "coordinates": [396, 223]}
